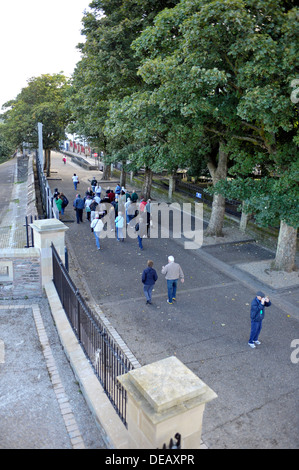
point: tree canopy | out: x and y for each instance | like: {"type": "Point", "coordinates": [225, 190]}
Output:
{"type": "Point", "coordinates": [43, 100]}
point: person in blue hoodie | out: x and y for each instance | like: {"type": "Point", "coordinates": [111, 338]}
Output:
{"type": "Point", "coordinates": [79, 205]}
{"type": "Point", "coordinates": [257, 313]}
{"type": "Point", "coordinates": [149, 277]}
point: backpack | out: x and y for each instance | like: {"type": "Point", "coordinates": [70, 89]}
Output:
{"type": "Point", "coordinates": [65, 201]}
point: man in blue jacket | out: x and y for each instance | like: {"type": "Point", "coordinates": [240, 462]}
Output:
{"type": "Point", "coordinates": [149, 277]}
{"type": "Point", "coordinates": [257, 313]}
{"type": "Point", "coordinates": [79, 205]}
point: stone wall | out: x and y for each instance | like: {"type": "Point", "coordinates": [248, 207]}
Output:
{"type": "Point", "coordinates": [20, 273]}
{"type": "Point", "coordinates": [22, 168]}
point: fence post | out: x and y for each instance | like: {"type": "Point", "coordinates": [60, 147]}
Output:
{"type": "Point", "coordinates": [78, 315]}
{"type": "Point", "coordinates": [165, 399]}
{"type": "Point", "coordinates": [46, 232]}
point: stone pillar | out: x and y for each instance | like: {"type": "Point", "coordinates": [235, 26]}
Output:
{"type": "Point", "coordinates": [165, 398]}
{"type": "Point", "coordinates": [47, 231]}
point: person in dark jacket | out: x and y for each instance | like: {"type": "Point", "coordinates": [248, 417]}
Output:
{"type": "Point", "coordinates": [79, 206]}
{"type": "Point", "coordinates": [257, 313]}
{"type": "Point", "coordinates": [149, 277]}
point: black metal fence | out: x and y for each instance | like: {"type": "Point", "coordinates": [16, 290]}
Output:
{"type": "Point", "coordinates": [47, 200]}
{"type": "Point", "coordinates": [29, 231]}
{"type": "Point", "coordinates": [106, 358]}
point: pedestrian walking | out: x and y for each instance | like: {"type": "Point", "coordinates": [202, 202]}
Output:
{"type": "Point", "coordinates": [97, 226]}
{"type": "Point", "coordinates": [87, 203]}
{"type": "Point", "coordinates": [58, 201]}
{"type": "Point", "coordinates": [119, 224]}
{"type": "Point", "coordinates": [64, 160]}
{"type": "Point", "coordinates": [149, 277]}
{"type": "Point", "coordinates": [98, 190]}
{"type": "Point", "coordinates": [75, 181]}
{"type": "Point", "coordinates": [79, 206]}
{"type": "Point", "coordinates": [93, 207]}
{"type": "Point", "coordinates": [257, 313]}
{"type": "Point", "coordinates": [173, 272]}
{"type": "Point", "coordinates": [140, 227]}
{"type": "Point", "coordinates": [93, 183]}
{"type": "Point", "coordinates": [65, 202]}
{"type": "Point", "coordinates": [134, 196]}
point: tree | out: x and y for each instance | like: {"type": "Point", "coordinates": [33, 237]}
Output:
{"type": "Point", "coordinates": [228, 67]}
{"type": "Point", "coordinates": [43, 100]}
{"type": "Point", "coordinates": [107, 72]}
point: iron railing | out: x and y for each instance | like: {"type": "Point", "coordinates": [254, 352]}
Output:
{"type": "Point", "coordinates": [47, 199]}
{"type": "Point", "coordinates": [29, 231]}
{"type": "Point", "coordinates": [106, 358]}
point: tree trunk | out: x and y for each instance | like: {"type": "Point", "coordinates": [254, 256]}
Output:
{"type": "Point", "coordinates": [171, 188]}
{"type": "Point", "coordinates": [244, 219]}
{"type": "Point", "coordinates": [147, 185]}
{"type": "Point", "coordinates": [286, 248]}
{"type": "Point", "coordinates": [106, 171]}
{"type": "Point", "coordinates": [218, 207]}
{"type": "Point", "coordinates": [123, 177]}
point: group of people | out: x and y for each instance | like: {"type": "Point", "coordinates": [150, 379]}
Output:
{"type": "Point", "coordinates": [60, 200]}
{"type": "Point", "coordinates": [121, 206]}
{"type": "Point", "coordinates": [124, 207]}
{"type": "Point", "coordinates": [172, 271]}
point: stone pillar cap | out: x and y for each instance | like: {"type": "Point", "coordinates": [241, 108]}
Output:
{"type": "Point", "coordinates": [166, 383]}
{"type": "Point", "coordinates": [45, 225]}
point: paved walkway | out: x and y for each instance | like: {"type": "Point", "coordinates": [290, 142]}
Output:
{"type": "Point", "coordinates": [207, 328]}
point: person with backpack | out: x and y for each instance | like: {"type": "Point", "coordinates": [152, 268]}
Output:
{"type": "Point", "coordinates": [64, 203]}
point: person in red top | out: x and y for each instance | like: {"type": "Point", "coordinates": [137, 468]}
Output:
{"type": "Point", "coordinates": [111, 196]}
{"type": "Point", "coordinates": [142, 205]}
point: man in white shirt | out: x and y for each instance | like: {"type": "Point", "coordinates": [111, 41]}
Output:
{"type": "Point", "coordinates": [173, 272]}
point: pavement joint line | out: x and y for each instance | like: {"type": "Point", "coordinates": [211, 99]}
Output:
{"type": "Point", "coordinates": [65, 408]}
{"type": "Point", "coordinates": [181, 292]}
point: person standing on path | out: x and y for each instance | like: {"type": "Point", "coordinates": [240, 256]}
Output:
{"type": "Point", "coordinates": [257, 313]}
{"type": "Point", "coordinates": [140, 228]}
{"type": "Point", "coordinates": [119, 224]}
{"type": "Point", "coordinates": [149, 277]}
{"type": "Point", "coordinates": [93, 183]}
{"type": "Point", "coordinates": [97, 226]}
{"type": "Point", "coordinates": [79, 206]}
{"type": "Point", "coordinates": [173, 272]}
{"type": "Point", "coordinates": [75, 181]}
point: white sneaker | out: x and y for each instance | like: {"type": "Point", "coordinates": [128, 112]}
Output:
{"type": "Point", "coordinates": [252, 345]}
{"type": "Point", "coordinates": [257, 342]}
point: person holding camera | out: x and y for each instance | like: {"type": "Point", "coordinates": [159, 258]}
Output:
{"type": "Point", "coordinates": [257, 313]}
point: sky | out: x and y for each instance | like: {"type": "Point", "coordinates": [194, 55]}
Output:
{"type": "Point", "coordinates": [37, 37]}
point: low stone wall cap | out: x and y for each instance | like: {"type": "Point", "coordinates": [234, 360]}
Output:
{"type": "Point", "coordinates": [166, 383]}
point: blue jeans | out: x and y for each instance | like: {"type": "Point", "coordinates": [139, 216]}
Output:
{"type": "Point", "coordinates": [140, 242]}
{"type": "Point", "coordinates": [256, 327]}
{"type": "Point", "coordinates": [171, 287]}
{"type": "Point", "coordinates": [75, 185]}
{"type": "Point", "coordinates": [119, 233]}
{"type": "Point", "coordinates": [97, 239]}
{"type": "Point", "coordinates": [147, 289]}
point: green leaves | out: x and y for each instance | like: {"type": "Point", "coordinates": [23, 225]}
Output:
{"type": "Point", "coordinates": [43, 100]}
